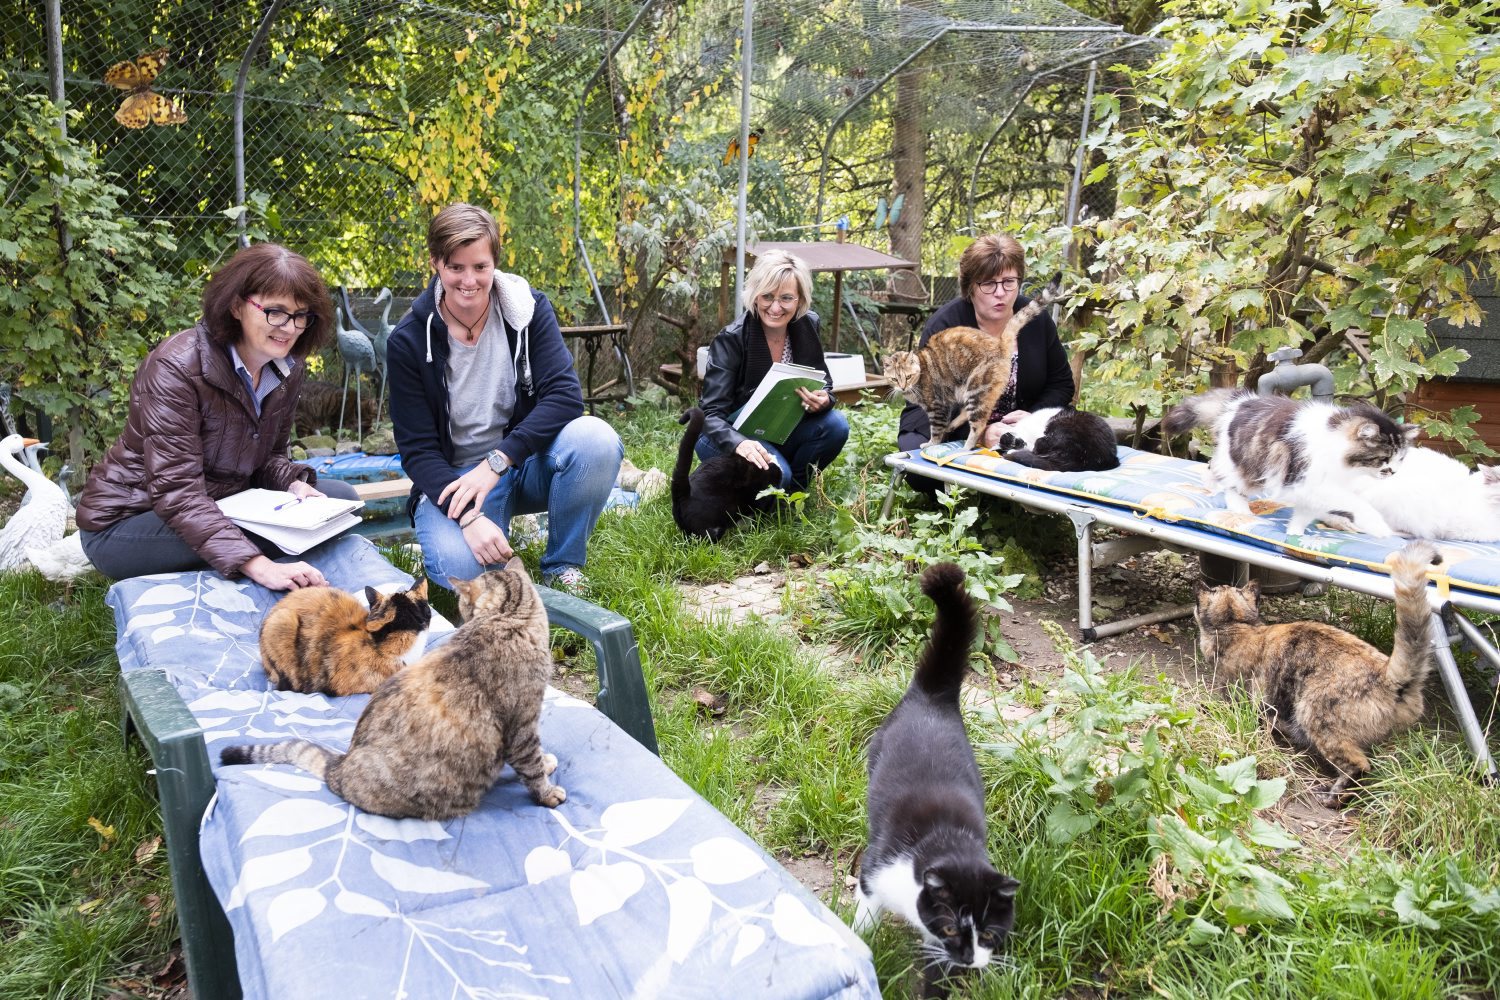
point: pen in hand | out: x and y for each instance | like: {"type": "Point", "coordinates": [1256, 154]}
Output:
{"type": "Point", "coordinates": [281, 506]}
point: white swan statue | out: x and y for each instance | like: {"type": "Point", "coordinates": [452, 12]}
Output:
{"type": "Point", "coordinates": [40, 524]}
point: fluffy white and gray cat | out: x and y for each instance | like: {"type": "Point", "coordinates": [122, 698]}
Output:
{"type": "Point", "coordinates": [928, 860]}
{"type": "Point", "coordinates": [1433, 496]}
{"type": "Point", "coordinates": [1318, 457]}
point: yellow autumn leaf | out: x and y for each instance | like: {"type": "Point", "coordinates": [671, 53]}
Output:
{"type": "Point", "coordinates": [107, 832]}
{"type": "Point", "coordinates": [461, 55]}
{"type": "Point", "coordinates": [90, 906]}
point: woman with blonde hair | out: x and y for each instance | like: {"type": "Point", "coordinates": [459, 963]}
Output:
{"type": "Point", "coordinates": [776, 326]}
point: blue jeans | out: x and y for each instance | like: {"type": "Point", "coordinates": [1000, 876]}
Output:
{"type": "Point", "coordinates": [570, 480]}
{"type": "Point", "coordinates": [815, 443]}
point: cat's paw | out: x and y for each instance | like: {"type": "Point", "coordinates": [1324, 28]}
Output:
{"type": "Point", "coordinates": [1338, 522]}
{"type": "Point", "coordinates": [552, 796]}
{"type": "Point", "coordinates": [549, 763]}
{"type": "Point", "coordinates": [1331, 796]}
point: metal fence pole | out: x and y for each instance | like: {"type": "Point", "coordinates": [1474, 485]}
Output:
{"type": "Point", "coordinates": [747, 70]}
{"type": "Point", "coordinates": [239, 114]}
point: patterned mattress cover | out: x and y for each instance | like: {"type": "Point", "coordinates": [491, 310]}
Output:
{"type": "Point", "coordinates": [635, 887]}
{"type": "Point", "coordinates": [1171, 490]}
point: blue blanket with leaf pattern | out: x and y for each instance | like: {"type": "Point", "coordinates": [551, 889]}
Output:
{"type": "Point", "coordinates": [634, 887]}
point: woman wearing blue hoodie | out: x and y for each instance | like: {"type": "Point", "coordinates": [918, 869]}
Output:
{"type": "Point", "coordinates": [488, 413]}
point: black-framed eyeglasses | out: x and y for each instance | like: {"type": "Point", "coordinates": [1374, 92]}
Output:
{"type": "Point", "coordinates": [1009, 284]}
{"type": "Point", "coordinates": [300, 320]}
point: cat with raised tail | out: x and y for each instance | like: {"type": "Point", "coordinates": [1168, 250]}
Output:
{"type": "Point", "coordinates": [706, 503]}
{"type": "Point", "coordinates": [1061, 439]}
{"type": "Point", "coordinates": [961, 374]}
{"type": "Point", "coordinates": [928, 860]}
{"type": "Point", "coordinates": [1321, 689]}
{"type": "Point", "coordinates": [1314, 455]}
{"type": "Point", "coordinates": [435, 736]}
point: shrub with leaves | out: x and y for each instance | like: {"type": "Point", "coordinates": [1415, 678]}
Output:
{"type": "Point", "coordinates": [72, 317]}
{"type": "Point", "coordinates": [1288, 172]}
{"type": "Point", "coordinates": [1119, 760]}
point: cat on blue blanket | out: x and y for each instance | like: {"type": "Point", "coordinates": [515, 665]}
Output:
{"type": "Point", "coordinates": [1318, 457]}
{"type": "Point", "coordinates": [1434, 496]}
{"type": "Point", "coordinates": [1061, 439]}
{"type": "Point", "coordinates": [928, 859]}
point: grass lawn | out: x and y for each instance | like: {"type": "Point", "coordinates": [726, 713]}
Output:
{"type": "Point", "coordinates": [1145, 822]}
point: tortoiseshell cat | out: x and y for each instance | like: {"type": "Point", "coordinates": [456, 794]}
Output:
{"type": "Point", "coordinates": [435, 736]}
{"type": "Point", "coordinates": [1320, 688]}
{"type": "Point", "coordinates": [928, 859]}
{"type": "Point", "coordinates": [1314, 455]}
{"type": "Point", "coordinates": [321, 639]}
{"type": "Point", "coordinates": [707, 502]}
{"type": "Point", "coordinates": [960, 373]}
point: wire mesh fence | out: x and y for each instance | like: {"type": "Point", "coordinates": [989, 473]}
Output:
{"type": "Point", "coordinates": [919, 121]}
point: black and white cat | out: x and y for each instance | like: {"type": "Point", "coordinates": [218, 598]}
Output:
{"type": "Point", "coordinates": [927, 861]}
{"type": "Point", "coordinates": [1061, 439]}
{"type": "Point", "coordinates": [1430, 495]}
{"type": "Point", "coordinates": [707, 502]}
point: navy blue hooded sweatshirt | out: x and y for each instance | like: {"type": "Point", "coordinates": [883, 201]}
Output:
{"type": "Point", "coordinates": [547, 390]}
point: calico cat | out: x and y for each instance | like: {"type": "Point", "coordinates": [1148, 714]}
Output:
{"type": "Point", "coordinates": [1317, 456]}
{"type": "Point", "coordinates": [320, 639]}
{"type": "Point", "coordinates": [706, 503]}
{"type": "Point", "coordinates": [1061, 439]}
{"type": "Point", "coordinates": [1434, 496]}
{"type": "Point", "coordinates": [960, 373]}
{"type": "Point", "coordinates": [927, 861]}
{"type": "Point", "coordinates": [435, 736]}
{"type": "Point", "coordinates": [1320, 688]}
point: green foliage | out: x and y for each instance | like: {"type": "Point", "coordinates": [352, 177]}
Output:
{"type": "Point", "coordinates": [1126, 762]}
{"type": "Point", "coordinates": [70, 319]}
{"type": "Point", "coordinates": [1289, 172]}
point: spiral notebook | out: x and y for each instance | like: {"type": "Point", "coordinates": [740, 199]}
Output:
{"type": "Point", "coordinates": [293, 525]}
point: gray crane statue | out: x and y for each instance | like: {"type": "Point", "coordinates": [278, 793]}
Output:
{"type": "Point", "coordinates": [358, 352]}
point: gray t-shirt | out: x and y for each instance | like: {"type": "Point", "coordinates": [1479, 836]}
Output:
{"type": "Point", "coordinates": [481, 392]}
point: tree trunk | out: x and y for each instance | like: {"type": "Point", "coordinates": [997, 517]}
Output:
{"type": "Point", "coordinates": [909, 153]}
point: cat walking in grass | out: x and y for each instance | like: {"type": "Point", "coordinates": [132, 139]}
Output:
{"type": "Point", "coordinates": [321, 639]}
{"type": "Point", "coordinates": [434, 737]}
{"type": "Point", "coordinates": [1321, 689]}
{"type": "Point", "coordinates": [928, 859]}
{"type": "Point", "coordinates": [706, 502]}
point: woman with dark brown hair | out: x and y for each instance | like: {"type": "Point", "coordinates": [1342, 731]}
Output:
{"type": "Point", "coordinates": [990, 273]}
{"type": "Point", "coordinates": [210, 415]}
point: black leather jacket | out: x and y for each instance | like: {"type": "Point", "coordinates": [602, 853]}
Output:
{"type": "Point", "coordinates": [738, 360]}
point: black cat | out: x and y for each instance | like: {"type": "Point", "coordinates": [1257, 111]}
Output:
{"type": "Point", "coordinates": [724, 488]}
{"type": "Point", "coordinates": [927, 861]}
{"type": "Point", "coordinates": [1061, 439]}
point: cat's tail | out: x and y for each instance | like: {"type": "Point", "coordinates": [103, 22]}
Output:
{"type": "Point", "coordinates": [681, 491]}
{"type": "Point", "coordinates": [945, 660]}
{"type": "Point", "coordinates": [303, 753]}
{"type": "Point", "coordinates": [1198, 411]}
{"type": "Point", "coordinates": [1411, 654]}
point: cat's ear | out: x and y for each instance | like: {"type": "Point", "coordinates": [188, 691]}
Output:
{"type": "Point", "coordinates": [460, 587]}
{"type": "Point", "coordinates": [420, 590]}
{"type": "Point", "coordinates": [1490, 474]}
{"type": "Point", "coordinates": [382, 610]}
{"type": "Point", "coordinates": [1006, 888]}
{"type": "Point", "coordinates": [518, 567]}
{"type": "Point", "coordinates": [1367, 430]}
{"type": "Point", "coordinates": [932, 880]}
{"type": "Point", "coordinates": [1252, 591]}
{"type": "Point", "coordinates": [1410, 432]}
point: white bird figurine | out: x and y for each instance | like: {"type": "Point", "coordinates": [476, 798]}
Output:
{"type": "Point", "coordinates": [39, 523]}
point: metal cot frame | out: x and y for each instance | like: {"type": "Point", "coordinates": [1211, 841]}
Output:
{"type": "Point", "coordinates": [1448, 625]}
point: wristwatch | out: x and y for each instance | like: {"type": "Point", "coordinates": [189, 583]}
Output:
{"type": "Point", "coordinates": [498, 462]}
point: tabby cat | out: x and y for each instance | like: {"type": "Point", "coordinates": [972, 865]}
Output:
{"type": "Point", "coordinates": [319, 403]}
{"type": "Point", "coordinates": [1061, 439]}
{"type": "Point", "coordinates": [1317, 456]}
{"type": "Point", "coordinates": [706, 503]}
{"type": "Point", "coordinates": [435, 736]}
{"type": "Point", "coordinates": [960, 373]}
{"type": "Point", "coordinates": [1320, 688]}
{"type": "Point", "coordinates": [320, 639]}
{"type": "Point", "coordinates": [927, 860]}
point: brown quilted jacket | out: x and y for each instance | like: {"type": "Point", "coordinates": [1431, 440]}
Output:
{"type": "Point", "coordinates": [192, 437]}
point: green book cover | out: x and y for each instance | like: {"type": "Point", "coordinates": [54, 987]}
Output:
{"type": "Point", "coordinates": [775, 409]}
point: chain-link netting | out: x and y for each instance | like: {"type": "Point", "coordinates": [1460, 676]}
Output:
{"type": "Point", "coordinates": [575, 120]}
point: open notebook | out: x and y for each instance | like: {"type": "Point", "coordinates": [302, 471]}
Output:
{"type": "Point", "coordinates": [294, 525]}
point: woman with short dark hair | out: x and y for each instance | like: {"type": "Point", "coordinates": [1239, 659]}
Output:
{"type": "Point", "coordinates": [990, 273]}
{"type": "Point", "coordinates": [210, 415]}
